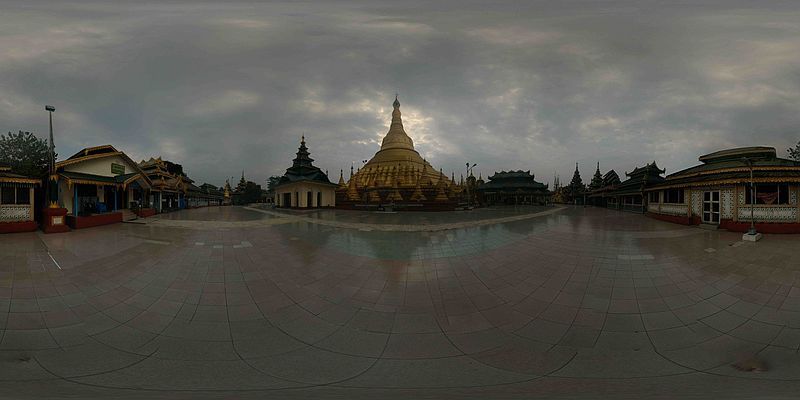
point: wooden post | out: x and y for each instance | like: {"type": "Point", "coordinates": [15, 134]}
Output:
{"type": "Point", "coordinates": [687, 194]}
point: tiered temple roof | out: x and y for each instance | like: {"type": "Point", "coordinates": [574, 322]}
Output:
{"type": "Point", "coordinates": [303, 168]}
{"type": "Point", "coordinates": [731, 166]}
{"type": "Point", "coordinates": [513, 179]}
{"type": "Point", "coordinates": [639, 178]}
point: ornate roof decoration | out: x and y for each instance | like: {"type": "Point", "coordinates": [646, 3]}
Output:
{"type": "Point", "coordinates": [512, 180]}
{"type": "Point", "coordinates": [731, 166]}
{"type": "Point", "coordinates": [611, 178]}
{"type": "Point", "coordinates": [303, 168]}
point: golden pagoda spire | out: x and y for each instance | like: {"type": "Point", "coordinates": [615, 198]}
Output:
{"type": "Point", "coordinates": [397, 138]}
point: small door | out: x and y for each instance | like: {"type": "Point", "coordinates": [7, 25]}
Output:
{"type": "Point", "coordinates": [319, 199]}
{"type": "Point", "coordinates": [309, 197]}
{"type": "Point", "coordinates": [711, 207]}
{"type": "Point", "coordinates": [287, 200]}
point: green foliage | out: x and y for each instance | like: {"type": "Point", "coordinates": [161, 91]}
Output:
{"type": "Point", "coordinates": [272, 182]}
{"type": "Point", "coordinates": [251, 193]}
{"type": "Point", "coordinates": [794, 153]}
{"type": "Point", "coordinates": [26, 153]}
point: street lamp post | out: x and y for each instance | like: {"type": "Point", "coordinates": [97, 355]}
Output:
{"type": "Point", "coordinates": [469, 171]}
{"type": "Point", "coordinates": [52, 179]}
{"type": "Point", "coordinates": [751, 234]}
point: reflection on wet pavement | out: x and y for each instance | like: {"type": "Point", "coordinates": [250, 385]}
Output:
{"type": "Point", "coordinates": [230, 302]}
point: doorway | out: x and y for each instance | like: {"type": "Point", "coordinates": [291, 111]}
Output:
{"type": "Point", "coordinates": [711, 207]}
{"type": "Point", "coordinates": [319, 199]}
{"type": "Point", "coordinates": [309, 198]}
{"type": "Point", "coordinates": [287, 200]}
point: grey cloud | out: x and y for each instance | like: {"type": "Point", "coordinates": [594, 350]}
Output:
{"type": "Point", "coordinates": [225, 87]}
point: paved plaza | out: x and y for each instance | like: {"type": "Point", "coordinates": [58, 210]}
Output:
{"type": "Point", "coordinates": [558, 302]}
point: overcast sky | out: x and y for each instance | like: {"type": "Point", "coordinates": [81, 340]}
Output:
{"type": "Point", "coordinates": [222, 88]}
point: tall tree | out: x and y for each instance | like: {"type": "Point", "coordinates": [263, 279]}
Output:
{"type": "Point", "coordinates": [25, 153]}
{"type": "Point", "coordinates": [272, 182]}
{"type": "Point", "coordinates": [794, 153]}
{"type": "Point", "coordinates": [250, 194]}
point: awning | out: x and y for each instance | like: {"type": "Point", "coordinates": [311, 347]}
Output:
{"type": "Point", "coordinates": [90, 179]}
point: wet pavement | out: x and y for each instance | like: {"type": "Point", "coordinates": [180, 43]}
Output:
{"type": "Point", "coordinates": [230, 302]}
{"type": "Point", "coordinates": [413, 217]}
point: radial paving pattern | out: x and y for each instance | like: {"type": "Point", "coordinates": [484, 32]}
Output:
{"type": "Point", "coordinates": [578, 302]}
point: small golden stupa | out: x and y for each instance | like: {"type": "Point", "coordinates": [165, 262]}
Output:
{"type": "Point", "coordinates": [397, 175]}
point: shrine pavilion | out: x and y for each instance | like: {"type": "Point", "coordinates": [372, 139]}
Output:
{"type": "Point", "coordinates": [599, 195]}
{"type": "Point", "coordinates": [514, 187]}
{"type": "Point", "coordinates": [101, 185]}
{"type": "Point", "coordinates": [397, 177]}
{"type": "Point", "coordinates": [170, 184]}
{"type": "Point", "coordinates": [717, 192]}
{"type": "Point", "coordinates": [304, 185]}
{"type": "Point", "coordinates": [629, 195]}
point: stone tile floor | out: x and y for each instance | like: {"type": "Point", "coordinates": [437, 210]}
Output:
{"type": "Point", "coordinates": [231, 302]}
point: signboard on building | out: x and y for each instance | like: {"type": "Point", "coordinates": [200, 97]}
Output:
{"type": "Point", "coordinates": [117, 169]}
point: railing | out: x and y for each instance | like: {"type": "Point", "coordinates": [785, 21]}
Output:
{"type": "Point", "coordinates": [672, 209]}
{"type": "Point", "coordinates": [15, 212]}
{"type": "Point", "coordinates": [771, 213]}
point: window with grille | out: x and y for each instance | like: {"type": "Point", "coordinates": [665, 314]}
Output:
{"type": "Point", "coordinates": [768, 194]}
{"type": "Point", "coordinates": [673, 196]}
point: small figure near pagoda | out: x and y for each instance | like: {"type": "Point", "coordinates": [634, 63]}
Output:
{"type": "Point", "coordinates": [304, 185]}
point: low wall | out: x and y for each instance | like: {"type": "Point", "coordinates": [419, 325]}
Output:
{"type": "Point", "coordinates": [675, 219]}
{"type": "Point", "coordinates": [146, 212]}
{"type": "Point", "coordinates": [730, 225]}
{"type": "Point", "coordinates": [18, 226]}
{"type": "Point", "coordinates": [763, 227]}
{"type": "Point", "coordinates": [93, 220]}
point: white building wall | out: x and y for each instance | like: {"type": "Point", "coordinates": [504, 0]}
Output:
{"type": "Point", "coordinates": [299, 194]}
{"type": "Point", "coordinates": [66, 195]}
{"type": "Point", "coordinates": [733, 206]}
{"type": "Point", "coordinates": [100, 166]}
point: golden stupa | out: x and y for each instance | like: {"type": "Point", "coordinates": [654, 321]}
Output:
{"type": "Point", "coordinates": [397, 175]}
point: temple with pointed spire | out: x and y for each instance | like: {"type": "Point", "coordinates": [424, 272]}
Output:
{"type": "Point", "coordinates": [397, 176]}
{"type": "Point", "coordinates": [304, 185]}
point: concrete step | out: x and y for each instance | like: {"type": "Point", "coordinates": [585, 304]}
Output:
{"type": "Point", "coordinates": [128, 215]}
{"type": "Point", "coordinates": [708, 227]}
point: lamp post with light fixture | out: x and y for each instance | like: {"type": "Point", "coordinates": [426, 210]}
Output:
{"type": "Point", "coordinates": [54, 217]}
{"type": "Point", "coordinates": [52, 179]}
{"type": "Point", "coordinates": [751, 234]}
